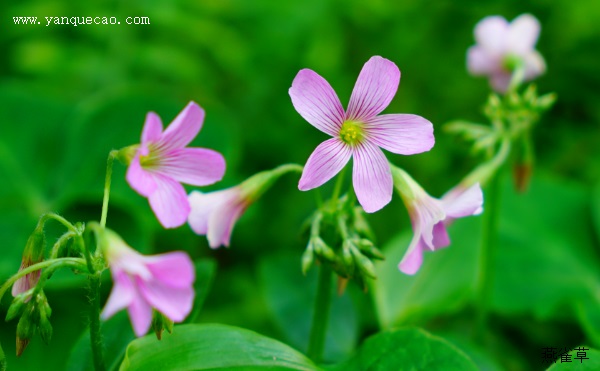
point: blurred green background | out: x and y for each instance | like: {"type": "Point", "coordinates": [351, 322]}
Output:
{"type": "Point", "coordinates": [68, 95]}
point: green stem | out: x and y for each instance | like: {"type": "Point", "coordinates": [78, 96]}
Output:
{"type": "Point", "coordinates": [109, 166]}
{"type": "Point", "coordinates": [58, 218]}
{"type": "Point", "coordinates": [321, 312]}
{"type": "Point", "coordinates": [487, 255]}
{"type": "Point", "coordinates": [338, 186]}
{"type": "Point", "coordinates": [95, 334]}
{"type": "Point", "coordinates": [64, 262]}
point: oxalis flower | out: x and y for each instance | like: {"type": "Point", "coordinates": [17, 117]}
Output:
{"type": "Point", "coordinates": [359, 131]}
{"type": "Point", "coordinates": [162, 161]}
{"type": "Point", "coordinates": [429, 216]}
{"type": "Point", "coordinates": [143, 282]}
{"type": "Point", "coordinates": [503, 47]}
{"type": "Point", "coordinates": [214, 214]}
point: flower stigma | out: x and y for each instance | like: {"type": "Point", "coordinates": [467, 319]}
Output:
{"type": "Point", "coordinates": [351, 132]}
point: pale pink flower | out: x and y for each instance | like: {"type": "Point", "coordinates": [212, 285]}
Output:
{"type": "Point", "coordinates": [143, 282]}
{"type": "Point", "coordinates": [162, 161]}
{"type": "Point", "coordinates": [215, 213]}
{"type": "Point", "coordinates": [359, 131]}
{"type": "Point", "coordinates": [429, 216]}
{"type": "Point", "coordinates": [501, 46]}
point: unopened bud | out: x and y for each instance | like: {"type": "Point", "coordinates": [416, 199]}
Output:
{"type": "Point", "coordinates": [322, 249]}
{"type": "Point", "coordinates": [364, 264]}
{"type": "Point", "coordinates": [546, 101]}
{"type": "Point", "coordinates": [522, 176]}
{"type": "Point", "coordinates": [307, 258]}
{"type": "Point", "coordinates": [17, 306]}
{"type": "Point", "coordinates": [347, 258]}
{"type": "Point", "coordinates": [25, 330]}
{"type": "Point", "coordinates": [45, 327]}
{"type": "Point", "coordinates": [361, 226]}
{"type": "Point", "coordinates": [33, 253]}
{"type": "Point", "coordinates": [370, 250]}
{"type": "Point", "coordinates": [341, 285]}
{"type": "Point", "coordinates": [530, 94]}
{"type": "Point", "coordinates": [161, 323]}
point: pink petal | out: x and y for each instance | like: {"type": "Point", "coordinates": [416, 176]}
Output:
{"type": "Point", "coordinates": [324, 163]}
{"type": "Point", "coordinates": [491, 34]}
{"type": "Point", "coordinates": [195, 166]}
{"type": "Point", "coordinates": [140, 180]}
{"type": "Point", "coordinates": [440, 236]}
{"type": "Point", "coordinates": [479, 62]}
{"type": "Point", "coordinates": [523, 33]}
{"type": "Point", "coordinates": [152, 128]}
{"type": "Point", "coordinates": [534, 65]}
{"type": "Point", "coordinates": [140, 312]}
{"type": "Point", "coordinates": [184, 128]}
{"type": "Point", "coordinates": [402, 134]}
{"type": "Point", "coordinates": [428, 212]}
{"type": "Point", "coordinates": [316, 101]}
{"type": "Point", "coordinates": [374, 89]}
{"type": "Point", "coordinates": [173, 269]}
{"type": "Point", "coordinates": [221, 222]}
{"type": "Point", "coordinates": [458, 203]}
{"type": "Point", "coordinates": [175, 303]}
{"type": "Point", "coordinates": [169, 202]}
{"type": "Point", "coordinates": [372, 177]}
{"type": "Point", "coordinates": [26, 283]}
{"type": "Point", "coordinates": [413, 258]}
{"type": "Point", "coordinates": [204, 204]}
{"type": "Point", "coordinates": [121, 296]}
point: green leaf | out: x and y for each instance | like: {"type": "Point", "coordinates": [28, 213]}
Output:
{"type": "Point", "coordinates": [290, 296]}
{"type": "Point", "coordinates": [546, 264]}
{"type": "Point", "coordinates": [210, 347]}
{"type": "Point", "coordinates": [406, 349]}
{"type": "Point", "coordinates": [400, 298]}
{"type": "Point", "coordinates": [579, 364]}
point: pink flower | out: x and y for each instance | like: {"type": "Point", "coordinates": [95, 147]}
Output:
{"type": "Point", "coordinates": [430, 216]}
{"type": "Point", "coordinates": [142, 282]}
{"type": "Point", "coordinates": [162, 161]}
{"type": "Point", "coordinates": [501, 47]}
{"type": "Point", "coordinates": [214, 214]}
{"type": "Point", "coordinates": [359, 131]}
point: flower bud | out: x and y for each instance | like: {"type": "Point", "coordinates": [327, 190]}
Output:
{"type": "Point", "coordinates": [364, 264]}
{"type": "Point", "coordinates": [321, 249]}
{"type": "Point", "coordinates": [17, 307]}
{"type": "Point", "coordinates": [361, 226]}
{"type": "Point", "coordinates": [33, 253]}
{"type": "Point", "coordinates": [45, 327]}
{"type": "Point", "coordinates": [25, 330]}
{"type": "Point", "coordinates": [347, 258]}
{"type": "Point", "coordinates": [370, 250]}
{"type": "Point", "coordinates": [307, 258]}
{"type": "Point", "coordinates": [546, 101]}
{"type": "Point", "coordinates": [522, 176]}
{"type": "Point", "coordinates": [161, 323]}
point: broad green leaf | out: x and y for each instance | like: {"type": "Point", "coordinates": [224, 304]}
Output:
{"type": "Point", "coordinates": [406, 349]}
{"type": "Point", "coordinates": [578, 361]}
{"type": "Point", "coordinates": [212, 347]}
{"type": "Point", "coordinates": [290, 296]}
{"type": "Point", "coordinates": [400, 298]}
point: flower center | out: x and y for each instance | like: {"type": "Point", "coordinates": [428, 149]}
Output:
{"type": "Point", "coordinates": [351, 132]}
{"type": "Point", "coordinates": [150, 159]}
{"type": "Point", "coordinates": [511, 62]}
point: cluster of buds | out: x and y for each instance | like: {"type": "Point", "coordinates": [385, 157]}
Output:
{"type": "Point", "coordinates": [341, 237]}
{"type": "Point", "coordinates": [34, 316]}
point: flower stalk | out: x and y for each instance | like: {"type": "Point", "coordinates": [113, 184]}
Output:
{"type": "Point", "coordinates": [321, 313]}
